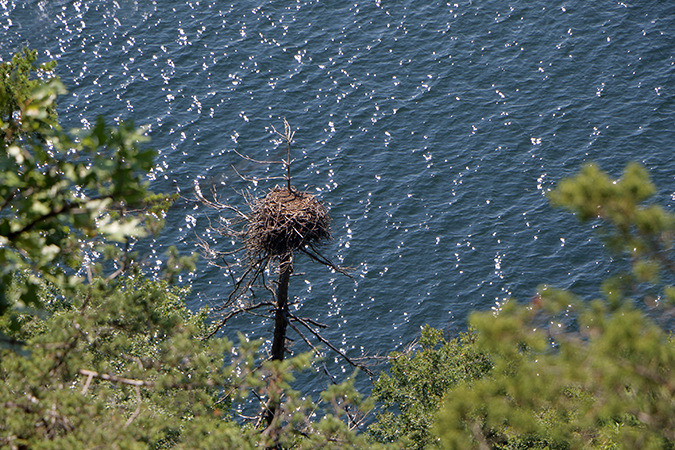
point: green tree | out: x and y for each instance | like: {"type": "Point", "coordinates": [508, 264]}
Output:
{"type": "Point", "coordinates": [116, 366]}
{"type": "Point", "coordinates": [121, 365]}
{"type": "Point", "coordinates": [411, 392]}
{"type": "Point", "coordinates": [574, 374]}
{"type": "Point", "coordinates": [57, 189]}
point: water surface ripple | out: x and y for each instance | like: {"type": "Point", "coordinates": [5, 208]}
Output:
{"type": "Point", "coordinates": [432, 130]}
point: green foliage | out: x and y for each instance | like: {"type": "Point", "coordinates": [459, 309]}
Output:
{"type": "Point", "coordinates": [123, 365]}
{"type": "Point", "coordinates": [608, 385]}
{"type": "Point", "coordinates": [119, 368]}
{"type": "Point", "coordinates": [120, 362]}
{"type": "Point", "coordinates": [411, 392]}
{"type": "Point", "coordinates": [570, 374]}
{"type": "Point", "coordinates": [57, 189]}
{"type": "Point", "coordinates": [642, 233]}
{"type": "Point", "coordinates": [332, 422]}
{"type": "Point", "coordinates": [27, 97]}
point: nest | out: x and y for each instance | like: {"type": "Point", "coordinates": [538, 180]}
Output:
{"type": "Point", "coordinates": [285, 221]}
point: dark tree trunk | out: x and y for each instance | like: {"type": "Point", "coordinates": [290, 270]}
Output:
{"type": "Point", "coordinates": [279, 342]}
{"type": "Point", "coordinates": [281, 313]}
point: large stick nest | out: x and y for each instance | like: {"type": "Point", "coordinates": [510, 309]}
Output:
{"type": "Point", "coordinates": [285, 221]}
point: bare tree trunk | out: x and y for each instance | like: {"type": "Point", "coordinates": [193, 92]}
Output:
{"type": "Point", "coordinates": [281, 314]}
{"type": "Point", "coordinates": [279, 342]}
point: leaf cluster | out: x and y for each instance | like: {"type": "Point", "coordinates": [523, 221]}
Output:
{"type": "Point", "coordinates": [124, 365]}
{"type": "Point", "coordinates": [411, 393]}
{"type": "Point", "coordinates": [607, 385]}
{"type": "Point", "coordinates": [560, 372]}
{"type": "Point", "coordinates": [634, 228]}
{"type": "Point", "coordinates": [59, 189]}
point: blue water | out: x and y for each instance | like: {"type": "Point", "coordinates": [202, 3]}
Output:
{"type": "Point", "coordinates": [431, 129]}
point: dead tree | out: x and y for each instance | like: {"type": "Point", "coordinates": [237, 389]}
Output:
{"type": "Point", "coordinates": [276, 228]}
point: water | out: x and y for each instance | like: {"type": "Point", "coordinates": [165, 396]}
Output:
{"type": "Point", "coordinates": [433, 131]}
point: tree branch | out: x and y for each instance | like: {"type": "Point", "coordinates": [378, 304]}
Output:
{"type": "Point", "coordinates": [248, 158]}
{"type": "Point", "coordinates": [318, 257]}
{"type": "Point", "coordinates": [233, 313]}
{"type": "Point", "coordinates": [115, 378]}
{"type": "Point", "coordinates": [331, 346]}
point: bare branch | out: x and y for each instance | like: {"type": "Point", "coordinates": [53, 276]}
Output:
{"type": "Point", "coordinates": [234, 313]}
{"type": "Point", "coordinates": [287, 136]}
{"type": "Point", "coordinates": [115, 378]}
{"type": "Point", "coordinates": [256, 179]}
{"type": "Point", "coordinates": [331, 346]}
{"type": "Point", "coordinates": [216, 204]}
{"type": "Point", "coordinates": [315, 323]}
{"type": "Point", "coordinates": [265, 409]}
{"type": "Point", "coordinates": [247, 158]}
{"type": "Point", "coordinates": [87, 383]}
{"type": "Point", "coordinates": [257, 268]}
{"type": "Point", "coordinates": [318, 257]}
{"type": "Point", "coordinates": [137, 412]}
{"type": "Point", "coordinates": [316, 351]}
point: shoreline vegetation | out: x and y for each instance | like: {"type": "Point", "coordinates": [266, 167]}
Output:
{"type": "Point", "coordinates": [97, 354]}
